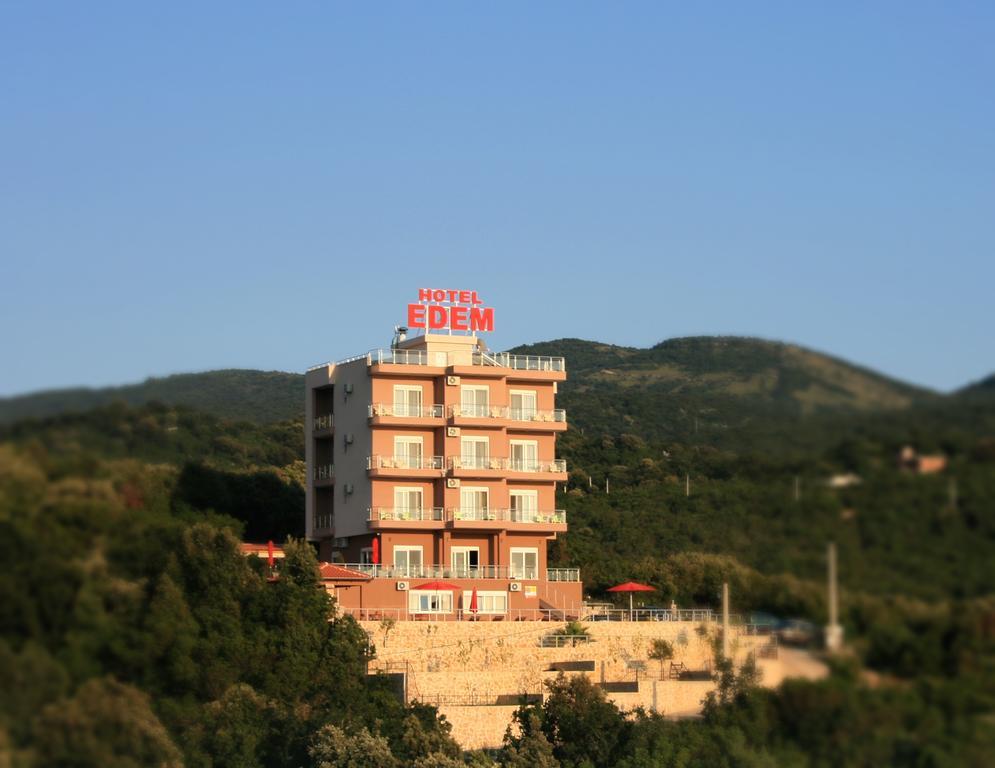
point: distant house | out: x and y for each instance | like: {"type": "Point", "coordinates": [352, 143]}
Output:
{"type": "Point", "coordinates": [922, 464]}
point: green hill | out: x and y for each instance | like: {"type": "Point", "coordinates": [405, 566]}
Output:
{"type": "Point", "coordinates": [726, 391]}
{"type": "Point", "coordinates": [258, 396]}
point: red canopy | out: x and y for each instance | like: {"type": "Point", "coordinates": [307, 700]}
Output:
{"type": "Point", "coordinates": [630, 587]}
{"type": "Point", "coordinates": [438, 586]}
{"type": "Point", "coordinates": [375, 555]}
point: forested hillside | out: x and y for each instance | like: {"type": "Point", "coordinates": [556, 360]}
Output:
{"type": "Point", "coordinates": [259, 396]}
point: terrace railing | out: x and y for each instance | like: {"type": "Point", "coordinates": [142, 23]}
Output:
{"type": "Point", "coordinates": [402, 513]}
{"type": "Point", "coordinates": [406, 411]}
{"type": "Point", "coordinates": [405, 462]}
{"type": "Point", "coordinates": [519, 362]}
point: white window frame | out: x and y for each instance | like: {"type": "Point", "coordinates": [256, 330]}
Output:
{"type": "Point", "coordinates": [524, 465]}
{"type": "Point", "coordinates": [469, 569]}
{"type": "Point", "coordinates": [522, 573]}
{"type": "Point", "coordinates": [407, 569]}
{"type": "Point", "coordinates": [474, 461]}
{"type": "Point", "coordinates": [488, 602]}
{"type": "Point", "coordinates": [403, 460]}
{"type": "Point", "coordinates": [531, 509]}
{"type": "Point", "coordinates": [428, 601]}
{"type": "Point", "coordinates": [476, 410]}
{"type": "Point", "coordinates": [519, 414]}
{"type": "Point", "coordinates": [406, 512]}
{"type": "Point", "coordinates": [366, 556]}
{"type": "Point", "coordinates": [478, 512]}
{"type": "Point", "coordinates": [402, 405]}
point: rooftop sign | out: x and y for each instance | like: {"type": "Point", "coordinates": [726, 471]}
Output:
{"type": "Point", "coordinates": [444, 309]}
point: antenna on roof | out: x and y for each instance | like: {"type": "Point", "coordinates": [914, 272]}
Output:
{"type": "Point", "coordinates": [400, 334]}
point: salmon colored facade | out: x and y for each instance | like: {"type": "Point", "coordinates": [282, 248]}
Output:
{"type": "Point", "coordinates": [435, 461]}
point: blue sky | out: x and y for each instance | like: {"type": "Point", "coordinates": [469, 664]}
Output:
{"type": "Point", "coordinates": [205, 185]}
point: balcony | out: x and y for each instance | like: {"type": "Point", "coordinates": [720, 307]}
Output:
{"type": "Point", "coordinates": [399, 413]}
{"type": "Point", "coordinates": [405, 466]}
{"type": "Point", "coordinates": [447, 572]}
{"type": "Point", "coordinates": [376, 516]}
{"type": "Point", "coordinates": [323, 425]}
{"type": "Point", "coordinates": [513, 418]}
{"type": "Point", "coordinates": [511, 519]}
{"type": "Point", "coordinates": [520, 362]}
{"type": "Point", "coordinates": [486, 466]}
{"type": "Point", "coordinates": [324, 474]}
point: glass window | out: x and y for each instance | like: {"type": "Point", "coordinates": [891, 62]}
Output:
{"type": "Point", "coordinates": [408, 452]}
{"type": "Point", "coordinates": [407, 401]}
{"type": "Point", "coordinates": [524, 506]}
{"type": "Point", "coordinates": [408, 503]}
{"type": "Point", "coordinates": [474, 401]}
{"type": "Point", "coordinates": [475, 452]}
{"type": "Point", "coordinates": [422, 601]}
{"type": "Point", "coordinates": [523, 405]}
{"type": "Point", "coordinates": [524, 563]}
{"type": "Point", "coordinates": [407, 561]}
{"type": "Point", "coordinates": [524, 455]}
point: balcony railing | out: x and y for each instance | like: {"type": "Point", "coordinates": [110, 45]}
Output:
{"type": "Point", "coordinates": [397, 357]}
{"type": "Point", "coordinates": [324, 472]}
{"type": "Point", "coordinates": [558, 415]}
{"type": "Point", "coordinates": [507, 515]}
{"type": "Point", "coordinates": [448, 572]}
{"type": "Point", "coordinates": [404, 462]}
{"type": "Point", "coordinates": [519, 362]}
{"type": "Point", "coordinates": [407, 411]}
{"type": "Point", "coordinates": [510, 465]}
{"type": "Point", "coordinates": [323, 422]}
{"type": "Point", "coordinates": [403, 513]}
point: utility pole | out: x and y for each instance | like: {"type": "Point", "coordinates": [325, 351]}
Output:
{"type": "Point", "coordinates": [725, 619]}
{"type": "Point", "coordinates": [687, 483]}
{"type": "Point", "coordinates": [834, 632]}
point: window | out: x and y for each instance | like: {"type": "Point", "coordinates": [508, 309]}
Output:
{"type": "Point", "coordinates": [524, 563]}
{"type": "Point", "coordinates": [523, 405]}
{"type": "Point", "coordinates": [408, 452]}
{"type": "Point", "coordinates": [524, 506]}
{"type": "Point", "coordinates": [487, 602]}
{"type": "Point", "coordinates": [524, 456]}
{"type": "Point", "coordinates": [422, 601]}
{"type": "Point", "coordinates": [366, 556]}
{"type": "Point", "coordinates": [407, 561]}
{"type": "Point", "coordinates": [475, 401]}
{"type": "Point", "coordinates": [408, 503]}
{"type": "Point", "coordinates": [475, 452]}
{"type": "Point", "coordinates": [474, 504]}
{"type": "Point", "coordinates": [407, 401]}
{"type": "Point", "coordinates": [466, 562]}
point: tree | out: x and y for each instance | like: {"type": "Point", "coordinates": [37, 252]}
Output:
{"type": "Point", "coordinates": [332, 747]}
{"type": "Point", "coordinates": [661, 650]}
{"type": "Point", "coordinates": [106, 723]}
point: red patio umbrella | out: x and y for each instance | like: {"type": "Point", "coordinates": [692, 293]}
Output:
{"type": "Point", "coordinates": [473, 602]}
{"type": "Point", "coordinates": [269, 550]}
{"type": "Point", "coordinates": [630, 587]}
{"type": "Point", "coordinates": [375, 556]}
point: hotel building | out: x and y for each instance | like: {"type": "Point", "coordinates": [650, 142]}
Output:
{"type": "Point", "coordinates": [432, 477]}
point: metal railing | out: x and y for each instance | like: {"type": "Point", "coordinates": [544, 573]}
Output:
{"type": "Point", "coordinates": [323, 422]}
{"type": "Point", "coordinates": [448, 572]}
{"type": "Point", "coordinates": [652, 614]}
{"type": "Point", "coordinates": [557, 415]}
{"type": "Point", "coordinates": [406, 411]}
{"type": "Point", "coordinates": [459, 614]}
{"type": "Point", "coordinates": [405, 462]}
{"type": "Point", "coordinates": [401, 513]}
{"type": "Point", "coordinates": [507, 515]}
{"type": "Point", "coordinates": [519, 362]}
{"type": "Point", "coordinates": [506, 464]}
{"type": "Point", "coordinates": [324, 472]}
{"type": "Point", "coordinates": [397, 357]}
{"type": "Point", "coordinates": [532, 415]}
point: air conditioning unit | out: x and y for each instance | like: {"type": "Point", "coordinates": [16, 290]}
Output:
{"type": "Point", "coordinates": [452, 482]}
{"type": "Point", "coordinates": [348, 388]}
{"type": "Point", "coordinates": [402, 586]}
{"type": "Point", "coordinates": [452, 381]}
{"type": "Point", "coordinates": [452, 432]}
{"type": "Point", "coordinates": [514, 587]}
{"type": "Point", "coordinates": [347, 488]}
